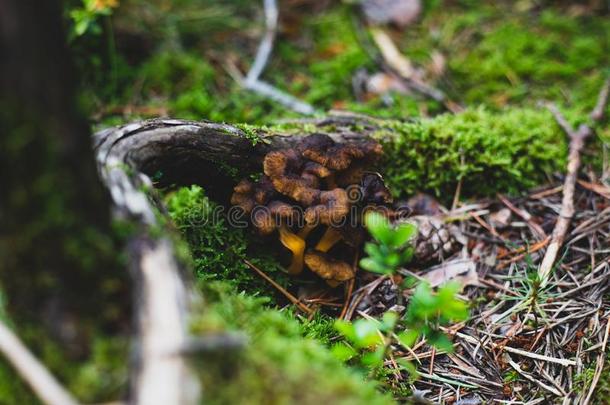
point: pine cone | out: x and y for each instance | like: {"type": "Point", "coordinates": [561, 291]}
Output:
{"type": "Point", "coordinates": [436, 239]}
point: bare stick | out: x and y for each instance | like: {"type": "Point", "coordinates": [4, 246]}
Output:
{"type": "Point", "coordinates": [577, 142]}
{"type": "Point", "coordinates": [287, 100]}
{"type": "Point", "coordinates": [44, 385]}
{"type": "Point", "coordinates": [266, 45]}
{"type": "Point", "coordinates": [159, 374]}
{"type": "Point", "coordinates": [602, 100]}
{"type": "Point", "coordinates": [252, 80]}
{"type": "Point", "coordinates": [402, 66]}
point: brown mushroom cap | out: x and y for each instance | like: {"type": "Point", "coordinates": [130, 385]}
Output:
{"type": "Point", "coordinates": [316, 169]}
{"type": "Point", "coordinates": [285, 171]}
{"type": "Point", "coordinates": [332, 270]}
{"type": "Point", "coordinates": [336, 158]}
{"type": "Point", "coordinates": [308, 175]}
{"type": "Point", "coordinates": [374, 190]}
{"type": "Point", "coordinates": [340, 156]}
{"type": "Point", "coordinates": [299, 189]}
{"type": "Point", "coordinates": [243, 196]}
{"type": "Point", "coordinates": [278, 163]}
{"type": "Point", "coordinates": [263, 221]}
{"type": "Point", "coordinates": [264, 191]}
{"type": "Point", "coordinates": [333, 207]}
{"type": "Point", "coordinates": [269, 218]}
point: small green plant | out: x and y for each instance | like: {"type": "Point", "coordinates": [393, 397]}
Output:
{"type": "Point", "coordinates": [391, 249]}
{"type": "Point", "coordinates": [370, 340]}
{"type": "Point", "coordinates": [86, 18]}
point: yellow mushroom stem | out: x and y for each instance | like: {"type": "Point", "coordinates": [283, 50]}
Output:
{"type": "Point", "coordinates": [328, 240]}
{"type": "Point", "coordinates": [296, 245]}
{"type": "Point", "coordinates": [306, 230]}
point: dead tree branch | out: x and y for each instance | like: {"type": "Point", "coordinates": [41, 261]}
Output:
{"type": "Point", "coordinates": [395, 62]}
{"type": "Point", "coordinates": [602, 100]}
{"type": "Point", "coordinates": [185, 152]}
{"type": "Point", "coordinates": [252, 80]}
{"type": "Point", "coordinates": [577, 142]}
{"type": "Point", "coordinates": [42, 382]}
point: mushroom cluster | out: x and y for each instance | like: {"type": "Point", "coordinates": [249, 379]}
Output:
{"type": "Point", "coordinates": [318, 183]}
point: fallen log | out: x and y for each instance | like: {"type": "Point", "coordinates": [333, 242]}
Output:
{"type": "Point", "coordinates": [184, 153]}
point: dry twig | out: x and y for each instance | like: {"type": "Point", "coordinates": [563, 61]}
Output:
{"type": "Point", "coordinates": [42, 382]}
{"type": "Point", "coordinates": [577, 142]}
{"type": "Point", "coordinates": [281, 289]}
{"type": "Point", "coordinates": [252, 80]}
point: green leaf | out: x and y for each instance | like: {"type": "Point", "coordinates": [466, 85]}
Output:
{"type": "Point", "coordinates": [379, 227]}
{"type": "Point", "coordinates": [451, 307]}
{"type": "Point", "coordinates": [81, 27]}
{"type": "Point", "coordinates": [393, 260]}
{"type": "Point", "coordinates": [423, 302]}
{"type": "Point", "coordinates": [388, 322]}
{"type": "Point", "coordinates": [372, 265]}
{"type": "Point", "coordinates": [366, 333]}
{"type": "Point", "coordinates": [407, 255]}
{"type": "Point", "coordinates": [346, 329]}
{"type": "Point", "coordinates": [374, 359]}
{"type": "Point", "coordinates": [403, 233]}
{"type": "Point", "coordinates": [409, 282]}
{"type": "Point", "coordinates": [441, 342]}
{"type": "Point", "coordinates": [408, 337]}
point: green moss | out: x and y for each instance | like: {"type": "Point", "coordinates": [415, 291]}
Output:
{"type": "Point", "coordinates": [278, 365]}
{"type": "Point", "coordinates": [321, 328]}
{"type": "Point", "coordinates": [490, 152]}
{"type": "Point", "coordinates": [251, 132]}
{"type": "Point", "coordinates": [286, 361]}
{"type": "Point", "coordinates": [218, 249]}
{"type": "Point", "coordinates": [500, 54]}
{"type": "Point", "coordinates": [12, 389]}
{"type": "Point", "coordinates": [552, 54]}
{"type": "Point", "coordinates": [99, 377]}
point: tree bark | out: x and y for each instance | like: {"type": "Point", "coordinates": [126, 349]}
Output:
{"type": "Point", "coordinates": [55, 242]}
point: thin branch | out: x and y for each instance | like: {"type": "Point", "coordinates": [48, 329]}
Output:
{"type": "Point", "coordinates": [252, 80]}
{"type": "Point", "coordinates": [281, 289]}
{"type": "Point", "coordinates": [399, 64]}
{"type": "Point", "coordinates": [266, 45]}
{"type": "Point", "coordinates": [577, 142]}
{"type": "Point", "coordinates": [159, 374]}
{"type": "Point", "coordinates": [287, 100]}
{"type": "Point", "coordinates": [42, 382]}
{"type": "Point", "coordinates": [602, 100]}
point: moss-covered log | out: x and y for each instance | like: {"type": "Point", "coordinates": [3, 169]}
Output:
{"type": "Point", "coordinates": [488, 152]}
{"type": "Point", "coordinates": [183, 152]}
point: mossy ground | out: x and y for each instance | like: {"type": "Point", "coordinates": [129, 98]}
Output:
{"type": "Point", "coordinates": [497, 54]}
{"type": "Point", "coordinates": [172, 58]}
{"type": "Point", "coordinates": [279, 365]}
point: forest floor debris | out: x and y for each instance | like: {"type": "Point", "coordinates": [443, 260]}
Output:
{"type": "Point", "coordinates": [551, 348]}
